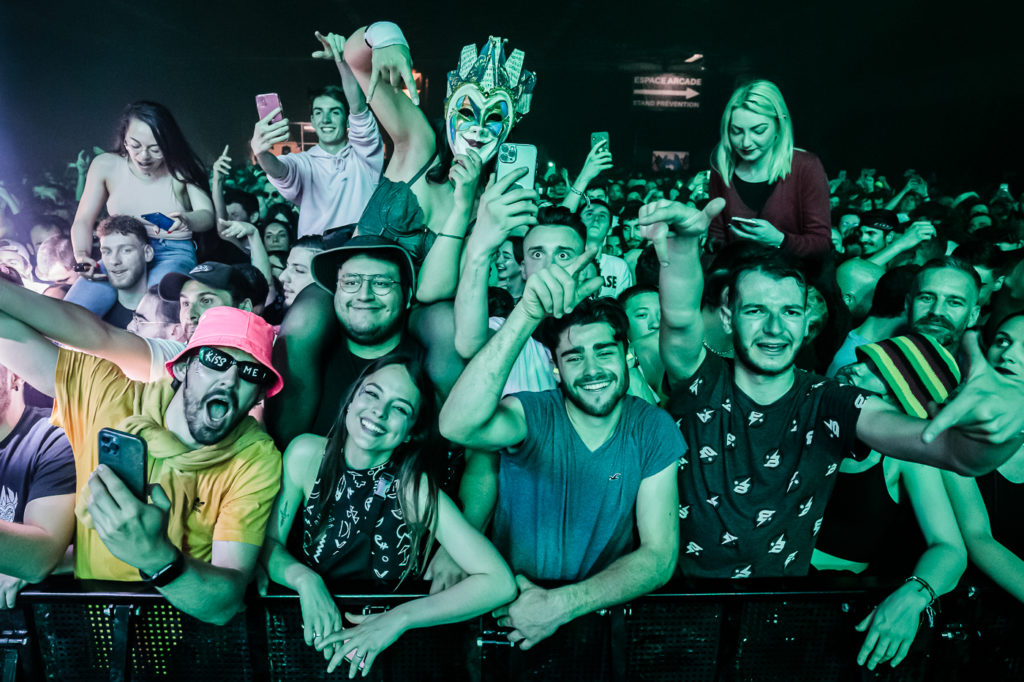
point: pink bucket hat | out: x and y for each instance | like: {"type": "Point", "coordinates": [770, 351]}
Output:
{"type": "Point", "coordinates": [234, 328]}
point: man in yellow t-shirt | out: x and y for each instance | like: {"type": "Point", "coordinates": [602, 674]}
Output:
{"type": "Point", "coordinates": [217, 472]}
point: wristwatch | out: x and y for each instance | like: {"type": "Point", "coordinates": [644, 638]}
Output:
{"type": "Point", "coordinates": [166, 575]}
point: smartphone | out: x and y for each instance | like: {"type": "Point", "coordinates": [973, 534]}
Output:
{"type": "Point", "coordinates": [266, 103]}
{"type": "Point", "coordinates": [159, 219]}
{"type": "Point", "coordinates": [80, 267]}
{"type": "Point", "coordinates": [514, 156]}
{"type": "Point", "coordinates": [125, 454]}
{"type": "Point", "coordinates": [599, 137]}
{"type": "Point", "coordinates": [745, 221]}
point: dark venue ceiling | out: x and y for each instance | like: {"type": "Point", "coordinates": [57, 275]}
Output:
{"type": "Point", "coordinates": [887, 84]}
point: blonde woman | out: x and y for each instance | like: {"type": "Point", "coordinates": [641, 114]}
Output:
{"type": "Point", "coordinates": [775, 194]}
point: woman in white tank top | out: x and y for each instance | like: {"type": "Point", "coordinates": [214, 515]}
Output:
{"type": "Point", "coordinates": [154, 170]}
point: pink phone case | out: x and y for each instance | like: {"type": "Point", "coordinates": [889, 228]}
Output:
{"type": "Point", "coordinates": [266, 103]}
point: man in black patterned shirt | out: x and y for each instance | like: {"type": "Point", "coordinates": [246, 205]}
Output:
{"type": "Point", "coordinates": [765, 438]}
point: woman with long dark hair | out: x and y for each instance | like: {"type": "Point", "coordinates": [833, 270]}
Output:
{"type": "Point", "coordinates": [152, 170]}
{"type": "Point", "coordinates": [371, 508]}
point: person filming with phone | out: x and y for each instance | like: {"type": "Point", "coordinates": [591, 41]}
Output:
{"type": "Point", "coordinates": [775, 194]}
{"type": "Point", "coordinates": [332, 181]}
{"type": "Point", "coordinates": [214, 471]}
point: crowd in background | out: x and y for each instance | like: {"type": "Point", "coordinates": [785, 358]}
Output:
{"type": "Point", "coordinates": [448, 359]}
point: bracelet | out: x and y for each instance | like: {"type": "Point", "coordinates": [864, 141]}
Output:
{"type": "Point", "coordinates": [383, 34]}
{"type": "Point", "coordinates": [930, 608]}
{"type": "Point", "coordinates": [450, 236]}
{"type": "Point", "coordinates": [577, 192]}
{"type": "Point", "coordinates": [167, 574]}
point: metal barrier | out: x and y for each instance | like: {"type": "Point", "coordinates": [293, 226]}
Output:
{"type": "Point", "coordinates": [707, 631]}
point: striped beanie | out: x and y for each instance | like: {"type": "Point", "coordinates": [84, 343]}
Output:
{"type": "Point", "coordinates": [915, 368]}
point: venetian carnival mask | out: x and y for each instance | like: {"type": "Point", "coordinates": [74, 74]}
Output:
{"type": "Point", "coordinates": [487, 95]}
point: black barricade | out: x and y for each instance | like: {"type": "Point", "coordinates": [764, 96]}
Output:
{"type": "Point", "coordinates": [712, 631]}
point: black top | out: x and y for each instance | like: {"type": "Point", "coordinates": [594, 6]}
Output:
{"type": "Point", "coordinates": [754, 194]}
{"type": "Point", "coordinates": [363, 536]}
{"type": "Point", "coordinates": [753, 493]}
{"type": "Point", "coordinates": [857, 516]}
{"type": "Point", "coordinates": [119, 316]}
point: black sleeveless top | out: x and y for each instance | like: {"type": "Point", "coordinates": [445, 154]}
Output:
{"type": "Point", "coordinates": [364, 536]}
{"type": "Point", "coordinates": [857, 515]}
{"type": "Point", "coordinates": [394, 212]}
{"type": "Point", "coordinates": [754, 194]}
{"type": "Point", "coordinates": [1004, 501]}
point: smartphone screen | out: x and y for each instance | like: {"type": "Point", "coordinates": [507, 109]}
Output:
{"type": "Point", "coordinates": [513, 156]}
{"type": "Point", "coordinates": [598, 137]}
{"type": "Point", "coordinates": [158, 219]}
{"type": "Point", "coordinates": [125, 454]}
{"type": "Point", "coordinates": [266, 103]}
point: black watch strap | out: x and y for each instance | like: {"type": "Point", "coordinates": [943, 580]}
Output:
{"type": "Point", "coordinates": [167, 574]}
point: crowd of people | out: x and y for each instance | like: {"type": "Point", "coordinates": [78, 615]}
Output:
{"type": "Point", "coordinates": [362, 362]}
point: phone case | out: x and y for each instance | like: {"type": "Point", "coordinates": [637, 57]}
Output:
{"type": "Point", "coordinates": [266, 103]}
{"type": "Point", "coordinates": [125, 454]}
{"type": "Point", "coordinates": [159, 219]}
{"type": "Point", "coordinates": [513, 156]}
{"type": "Point", "coordinates": [597, 137]}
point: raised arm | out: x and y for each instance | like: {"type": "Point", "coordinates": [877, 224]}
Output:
{"type": "Point", "coordinates": [221, 169]}
{"type": "Point", "coordinates": [474, 414]}
{"type": "Point", "coordinates": [439, 273]}
{"type": "Point", "coordinates": [599, 159]}
{"type": "Point", "coordinates": [501, 211]}
{"type": "Point", "coordinates": [380, 61]}
{"type": "Point", "coordinates": [957, 449]}
{"type": "Point", "coordinates": [537, 613]}
{"type": "Point", "coordinates": [73, 326]}
{"type": "Point", "coordinates": [676, 231]}
{"type": "Point", "coordinates": [333, 48]}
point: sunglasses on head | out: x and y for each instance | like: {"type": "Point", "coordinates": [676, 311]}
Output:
{"type": "Point", "coordinates": [220, 361]}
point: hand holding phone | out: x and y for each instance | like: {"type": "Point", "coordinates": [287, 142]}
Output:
{"type": "Point", "coordinates": [161, 221]}
{"type": "Point", "coordinates": [597, 138]}
{"type": "Point", "coordinates": [513, 156]}
{"type": "Point", "coordinates": [266, 103]}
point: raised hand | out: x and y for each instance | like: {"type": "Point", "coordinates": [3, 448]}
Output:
{"type": "Point", "coordinates": [266, 134]}
{"type": "Point", "coordinates": [987, 405]}
{"type": "Point", "coordinates": [664, 220]}
{"type": "Point", "coordinates": [465, 173]}
{"type": "Point", "coordinates": [556, 290]}
{"type": "Point", "coordinates": [333, 47]}
{"type": "Point", "coordinates": [919, 231]}
{"type": "Point", "coordinates": [598, 159]}
{"type": "Point", "coordinates": [222, 166]}
{"type": "Point", "coordinates": [393, 64]}
{"type": "Point", "coordinates": [502, 211]}
{"type": "Point", "coordinates": [236, 229]}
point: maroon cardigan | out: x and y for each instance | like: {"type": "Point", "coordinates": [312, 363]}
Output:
{"type": "Point", "coordinates": [798, 207]}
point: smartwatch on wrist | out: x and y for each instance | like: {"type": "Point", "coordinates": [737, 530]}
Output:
{"type": "Point", "coordinates": [166, 575]}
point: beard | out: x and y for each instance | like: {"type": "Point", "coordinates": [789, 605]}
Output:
{"type": "Point", "coordinates": [212, 416]}
{"type": "Point", "coordinates": [937, 327]}
{"type": "Point", "coordinates": [601, 409]}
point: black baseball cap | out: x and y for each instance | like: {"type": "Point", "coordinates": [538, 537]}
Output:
{"type": "Point", "coordinates": [212, 274]}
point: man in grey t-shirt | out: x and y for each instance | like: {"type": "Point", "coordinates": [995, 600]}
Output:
{"type": "Point", "coordinates": [581, 465]}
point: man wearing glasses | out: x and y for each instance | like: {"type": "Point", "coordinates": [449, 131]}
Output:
{"type": "Point", "coordinates": [371, 280]}
{"type": "Point", "coordinates": [216, 472]}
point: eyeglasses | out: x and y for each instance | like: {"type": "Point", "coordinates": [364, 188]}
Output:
{"type": "Point", "coordinates": [353, 282]}
{"type": "Point", "coordinates": [218, 360]}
